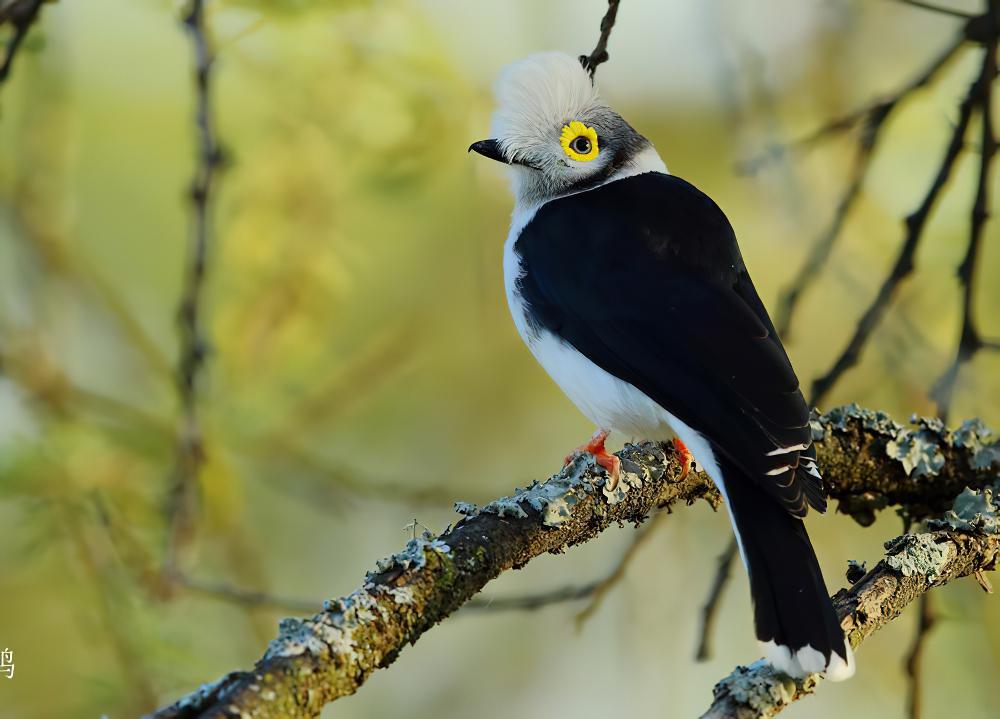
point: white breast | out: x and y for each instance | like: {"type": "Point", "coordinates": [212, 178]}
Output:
{"type": "Point", "coordinates": [606, 400]}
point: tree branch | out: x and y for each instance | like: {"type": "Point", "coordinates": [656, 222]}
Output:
{"type": "Point", "coordinates": [903, 266]}
{"type": "Point", "coordinates": [873, 119]}
{"type": "Point", "coordinates": [194, 346]}
{"type": "Point", "coordinates": [869, 461]}
{"type": "Point", "coordinates": [969, 340]}
{"type": "Point", "coordinates": [951, 12]}
{"type": "Point", "coordinates": [914, 564]}
{"type": "Point", "coordinates": [600, 52]}
{"type": "Point", "coordinates": [914, 660]}
{"type": "Point", "coordinates": [21, 14]}
{"type": "Point", "coordinates": [723, 573]}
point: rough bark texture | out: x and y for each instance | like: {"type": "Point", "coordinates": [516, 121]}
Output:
{"type": "Point", "coordinates": [915, 564]}
{"type": "Point", "coordinates": [869, 462]}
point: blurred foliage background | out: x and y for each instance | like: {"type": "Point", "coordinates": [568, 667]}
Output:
{"type": "Point", "coordinates": [363, 370]}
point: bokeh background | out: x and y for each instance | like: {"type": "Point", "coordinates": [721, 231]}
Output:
{"type": "Point", "coordinates": [363, 370]}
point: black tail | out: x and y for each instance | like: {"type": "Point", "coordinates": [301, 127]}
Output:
{"type": "Point", "coordinates": [793, 615]}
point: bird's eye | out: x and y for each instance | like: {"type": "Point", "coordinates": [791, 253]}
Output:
{"type": "Point", "coordinates": [579, 141]}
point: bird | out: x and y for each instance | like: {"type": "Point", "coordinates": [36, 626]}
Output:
{"type": "Point", "coordinates": [627, 284]}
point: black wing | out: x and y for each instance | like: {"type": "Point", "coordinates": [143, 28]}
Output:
{"type": "Point", "coordinates": [644, 277]}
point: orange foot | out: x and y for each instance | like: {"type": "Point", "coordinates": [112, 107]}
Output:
{"type": "Point", "coordinates": [684, 456]}
{"type": "Point", "coordinates": [611, 463]}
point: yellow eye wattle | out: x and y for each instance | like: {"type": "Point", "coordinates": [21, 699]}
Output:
{"type": "Point", "coordinates": [579, 141]}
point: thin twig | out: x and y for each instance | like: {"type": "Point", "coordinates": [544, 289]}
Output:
{"type": "Point", "coordinates": [21, 14]}
{"type": "Point", "coordinates": [874, 118]}
{"type": "Point", "coordinates": [914, 660]}
{"type": "Point", "coordinates": [600, 53]}
{"type": "Point", "coordinates": [903, 266]}
{"type": "Point", "coordinates": [938, 9]}
{"type": "Point", "coordinates": [969, 341]}
{"type": "Point", "coordinates": [190, 448]}
{"type": "Point", "coordinates": [820, 251]}
{"type": "Point", "coordinates": [244, 597]}
{"type": "Point", "coordinates": [530, 602]}
{"type": "Point", "coordinates": [775, 152]}
{"type": "Point", "coordinates": [873, 114]}
{"type": "Point", "coordinates": [723, 574]}
{"type": "Point", "coordinates": [341, 477]}
{"type": "Point", "coordinates": [602, 588]}
{"type": "Point", "coordinates": [110, 610]}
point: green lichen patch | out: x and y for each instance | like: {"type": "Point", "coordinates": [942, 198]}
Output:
{"type": "Point", "coordinates": [317, 636]}
{"type": "Point", "coordinates": [841, 417]}
{"type": "Point", "coordinates": [918, 451]}
{"type": "Point", "coordinates": [760, 687]}
{"type": "Point", "coordinates": [331, 632]}
{"type": "Point", "coordinates": [467, 508]}
{"type": "Point", "coordinates": [918, 555]}
{"type": "Point", "coordinates": [632, 476]}
{"type": "Point", "coordinates": [400, 595]}
{"type": "Point", "coordinates": [973, 512]}
{"type": "Point", "coordinates": [556, 497]}
{"type": "Point", "coordinates": [413, 556]}
{"type": "Point", "coordinates": [553, 499]}
{"type": "Point", "coordinates": [979, 439]}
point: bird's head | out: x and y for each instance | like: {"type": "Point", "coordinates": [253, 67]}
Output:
{"type": "Point", "coordinates": [551, 127]}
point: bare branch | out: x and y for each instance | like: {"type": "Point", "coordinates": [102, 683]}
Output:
{"type": "Point", "coordinates": [873, 116]}
{"type": "Point", "coordinates": [600, 52]}
{"type": "Point", "coordinates": [604, 586]}
{"type": "Point", "coordinates": [951, 12]}
{"type": "Point", "coordinates": [531, 602]}
{"type": "Point", "coordinates": [723, 573]}
{"type": "Point", "coordinates": [194, 346]}
{"type": "Point", "coordinates": [969, 341]}
{"type": "Point", "coordinates": [914, 660]}
{"type": "Point", "coordinates": [21, 14]}
{"type": "Point", "coordinates": [903, 266]}
{"type": "Point", "coordinates": [245, 597]}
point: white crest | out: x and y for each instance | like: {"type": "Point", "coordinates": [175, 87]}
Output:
{"type": "Point", "coordinates": [538, 95]}
{"type": "Point", "coordinates": [536, 98]}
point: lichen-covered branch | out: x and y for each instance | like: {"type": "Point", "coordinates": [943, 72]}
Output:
{"type": "Point", "coordinates": [965, 543]}
{"type": "Point", "coordinates": [329, 655]}
{"type": "Point", "coordinates": [317, 660]}
{"type": "Point", "coordinates": [932, 464]}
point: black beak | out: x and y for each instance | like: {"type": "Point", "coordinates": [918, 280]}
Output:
{"type": "Point", "coordinates": [490, 149]}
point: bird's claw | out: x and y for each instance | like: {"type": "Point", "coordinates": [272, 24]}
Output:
{"type": "Point", "coordinates": [684, 457]}
{"type": "Point", "coordinates": [595, 447]}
